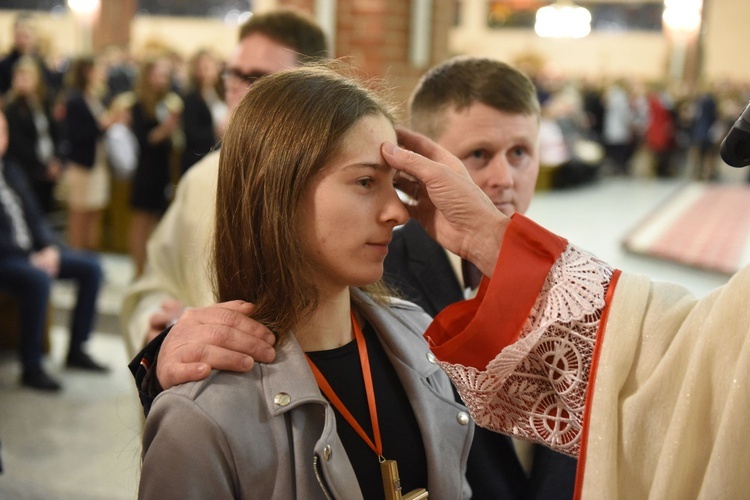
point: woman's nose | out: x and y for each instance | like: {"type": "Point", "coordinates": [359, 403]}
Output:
{"type": "Point", "coordinates": [395, 210]}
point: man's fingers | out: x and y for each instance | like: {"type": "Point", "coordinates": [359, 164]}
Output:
{"type": "Point", "coordinates": [198, 360]}
{"type": "Point", "coordinates": [250, 339]}
{"type": "Point", "coordinates": [235, 305]}
{"type": "Point", "coordinates": [427, 148]}
{"type": "Point", "coordinates": [417, 142]}
{"type": "Point", "coordinates": [232, 328]}
{"type": "Point", "coordinates": [428, 172]}
{"type": "Point", "coordinates": [175, 374]}
{"type": "Point", "coordinates": [225, 359]}
{"type": "Point", "coordinates": [404, 160]}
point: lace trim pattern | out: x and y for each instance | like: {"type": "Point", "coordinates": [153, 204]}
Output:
{"type": "Point", "coordinates": [535, 389]}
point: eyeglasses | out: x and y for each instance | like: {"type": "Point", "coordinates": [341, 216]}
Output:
{"type": "Point", "coordinates": [246, 78]}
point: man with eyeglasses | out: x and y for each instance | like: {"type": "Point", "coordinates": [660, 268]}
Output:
{"type": "Point", "coordinates": [177, 273]}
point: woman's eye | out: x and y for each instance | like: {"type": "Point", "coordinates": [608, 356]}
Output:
{"type": "Point", "coordinates": [365, 182]}
{"type": "Point", "coordinates": [478, 154]}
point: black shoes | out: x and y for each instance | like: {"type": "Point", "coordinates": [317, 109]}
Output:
{"type": "Point", "coordinates": [83, 361]}
{"type": "Point", "coordinates": [38, 379]}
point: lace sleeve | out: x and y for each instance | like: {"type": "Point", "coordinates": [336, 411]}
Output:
{"type": "Point", "coordinates": [535, 388]}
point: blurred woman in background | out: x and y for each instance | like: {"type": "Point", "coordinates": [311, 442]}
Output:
{"type": "Point", "coordinates": [86, 175]}
{"type": "Point", "coordinates": [205, 110]}
{"type": "Point", "coordinates": [32, 141]}
{"type": "Point", "coordinates": [156, 119]}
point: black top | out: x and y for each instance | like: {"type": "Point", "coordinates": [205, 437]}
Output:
{"type": "Point", "coordinates": [402, 440]}
{"type": "Point", "coordinates": [152, 179]}
{"type": "Point", "coordinates": [198, 126]}
{"type": "Point", "coordinates": [82, 131]}
{"type": "Point", "coordinates": [23, 136]}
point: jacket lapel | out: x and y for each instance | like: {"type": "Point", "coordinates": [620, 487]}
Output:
{"type": "Point", "coordinates": [438, 417]}
{"type": "Point", "coordinates": [430, 267]}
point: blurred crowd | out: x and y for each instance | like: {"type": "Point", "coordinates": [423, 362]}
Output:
{"type": "Point", "coordinates": [92, 143]}
{"type": "Point", "coordinates": [83, 128]}
{"type": "Point", "coordinates": [628, 127]}
{"type": "Point", "coordinates": [86, 129]}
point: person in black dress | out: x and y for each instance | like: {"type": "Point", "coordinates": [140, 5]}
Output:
{"type": "Point", "coordinates": [156, 119]}
{"type": "Point", "coordinates": [205, 111]}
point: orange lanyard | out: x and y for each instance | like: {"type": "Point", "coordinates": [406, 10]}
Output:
{"type": "Point", "coordinates": [364, 361]}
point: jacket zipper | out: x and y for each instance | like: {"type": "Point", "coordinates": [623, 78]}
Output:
{"type": "Point", "coordinates": [320, 479]}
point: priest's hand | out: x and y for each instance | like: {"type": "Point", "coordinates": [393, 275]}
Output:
{"type": "Point", "coordinates": [444, 199]}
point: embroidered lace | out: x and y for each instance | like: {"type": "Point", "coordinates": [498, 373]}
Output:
{"type": "Point", "coordinates": [535, 389]}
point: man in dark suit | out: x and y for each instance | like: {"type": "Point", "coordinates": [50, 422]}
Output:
{"type": "Point", "coordinates": [487, 114]}
{"type": "Point", "coordinates": [30, 259]}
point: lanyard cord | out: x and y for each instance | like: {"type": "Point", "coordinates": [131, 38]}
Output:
{"type": "Point", "coordinates": [364, 361]}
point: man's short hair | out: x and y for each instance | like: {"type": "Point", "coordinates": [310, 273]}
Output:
{"type": "Point", "coordinates": [462, 81]}
{"type": "Point", "coordinates": [291, 29]}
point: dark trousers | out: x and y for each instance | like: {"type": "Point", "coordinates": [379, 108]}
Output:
{"type": "Point", "coordinates": [31, 286]}
{"type": "Point", "coordinates": [619, 155]}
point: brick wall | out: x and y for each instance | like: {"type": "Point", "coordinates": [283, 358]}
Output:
{"type": "Point", "coordinates": [113, 26]}
{"type": "Point", "coordinates": [374, 36]}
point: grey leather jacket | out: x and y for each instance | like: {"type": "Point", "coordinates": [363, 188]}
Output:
{"type": "Point", "coordinates": [270, 433]}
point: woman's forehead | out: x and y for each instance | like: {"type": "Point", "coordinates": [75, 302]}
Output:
{"type": "Point", "coordinates": [363, 141]}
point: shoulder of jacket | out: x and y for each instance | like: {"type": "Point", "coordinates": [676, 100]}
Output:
{"type": "Point", "coordinates": [403, 305]}
{"type": "Point", "coordinates": [223, 386]}
{"type": "Point", "coordinates": [409, 314]}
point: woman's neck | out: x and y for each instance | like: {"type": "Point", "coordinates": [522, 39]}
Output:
{"type": "Point", "coordinates": [329, 326]}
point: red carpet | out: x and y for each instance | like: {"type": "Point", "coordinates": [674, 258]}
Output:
{"type": "Point", "coordinates": [703, 225]}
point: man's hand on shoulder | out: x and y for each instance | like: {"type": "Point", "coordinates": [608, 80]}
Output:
{"type": "Point", "coordinates": [221, 337]}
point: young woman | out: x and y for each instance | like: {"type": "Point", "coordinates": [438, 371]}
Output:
{"type": "Point", "coordinates": [305, 211]}
{"type": "Point", "coordinates": [156, 118]}
{"type": "Point", "coordinates": [86, 174]}
{"type": "Point", "coordinates": [33, 138]}
{"type": "Point", "coordinates": [203, 119]}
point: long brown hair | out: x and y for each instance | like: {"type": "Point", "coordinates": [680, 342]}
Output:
{"type": "Point", "coordinates": [195, 78]}
{"type": "Point", "coordinates": [78, 76]}
{"type": "Point", "coordinates": [287, 128]}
